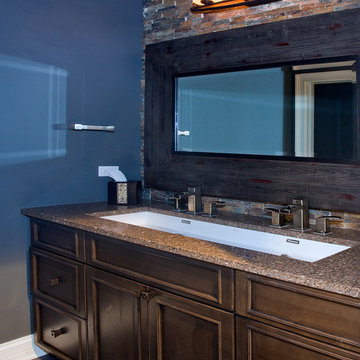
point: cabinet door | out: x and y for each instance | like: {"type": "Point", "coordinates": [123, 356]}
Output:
{"type": "Point", "coordinates": [114, 321]}
{"type": "Point", "coordinates": [182, 329]}
{"type": "Point", "coordinates": [257, 341]}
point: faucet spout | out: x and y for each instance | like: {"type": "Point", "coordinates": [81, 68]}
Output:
{"type": "Point", "coordinates": [194, 200]}
{"type": "Point", "coordinates": [300, 211]}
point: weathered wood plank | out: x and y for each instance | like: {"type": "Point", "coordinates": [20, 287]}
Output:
{"type": "Point", "coordinates": [328, 186]}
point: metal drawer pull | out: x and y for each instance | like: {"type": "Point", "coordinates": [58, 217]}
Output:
{"type": "Point", "coordinates": [56, 333]}
{"type": "Point", "coordinates": [53, 282]}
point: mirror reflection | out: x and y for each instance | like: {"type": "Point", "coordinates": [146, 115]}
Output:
{"type": "Point", "coordinates": [294, 111]}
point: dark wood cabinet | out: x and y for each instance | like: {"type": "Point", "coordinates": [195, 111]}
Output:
{"type": "Point", "coordinates": [98, 298]}
{"type": "Point", "coordinates": [208, 283]}
{"type": "Point", "coordinates": [60, 239]}
{"type": "Point", "coordinates": [128, 320]}
{"type": "Point", "coordinates": [131, 303]}
{"type": "Point", "coordinates": [323, 316]}
{"type": "Point", "coordinates": [258, 341]}
{"type": "Point", "coordinates": [58, 280]}
{"type": "Point", "coordinates": [115, 323]}
{"type": "Point", "coordinates": [182, 329]}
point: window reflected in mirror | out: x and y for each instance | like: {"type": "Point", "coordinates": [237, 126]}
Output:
{"type": "Point", "coordinates": [307, 111]}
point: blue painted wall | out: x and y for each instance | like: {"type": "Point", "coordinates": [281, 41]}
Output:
{"type": "Point", "coordinates": [97, 46]}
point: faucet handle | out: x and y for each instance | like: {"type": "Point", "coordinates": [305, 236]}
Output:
{"type": "Point", "coordinates": [288, 209]}
{"type": "Point", "coordinates": [180, 203]}
{"type": "Point", "coordinates": [277, 216]}
{"type": "Point", "coordinates": [210, 207]}
{"type": "Point", "coordinates": [323, 224]}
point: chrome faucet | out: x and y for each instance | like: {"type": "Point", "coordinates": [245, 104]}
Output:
{"type": "Point", "coordinates": [189, 200]}
{"type": "Point", "coordinates": [180, 201]}
{"type": "Point", "coordinates": [300, 211]}
{"type": "Point", "coordinates": [323, 224]}
{"type": "Point", "coordinates": [194, 200]}
{"type": "Point", "coordinates": [277, 216]}
{"type": "Point", "coordinates": [209, 207]}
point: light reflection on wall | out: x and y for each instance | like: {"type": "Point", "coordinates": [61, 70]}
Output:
{"type": "Point", "coordinates": [32, 101]}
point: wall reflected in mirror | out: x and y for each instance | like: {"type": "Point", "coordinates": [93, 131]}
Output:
{"type": "Point", "coordinates": [307, 111]}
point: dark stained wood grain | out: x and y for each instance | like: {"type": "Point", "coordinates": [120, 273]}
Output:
{"type": "Point", "coordinates": [57, 238]}
{"type": "Point", "coordinates": [59, 280]}
{"type": "Point", "coordinates": [198, 280]}
{"type": "Point", "coordinates": [329, 318]}
{"type": "Point", "coordinates": [181, 329]}
{"type": "Point", "coordinates": [256, 341]}
{"type": "Point", "coordinates": [327, 185]}
{"type": "Point", "coordinates": [70, 343]}
{"type": "Point", "coordinates": [114, 323]}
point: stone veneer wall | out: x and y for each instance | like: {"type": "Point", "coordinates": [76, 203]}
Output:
{"type": "Point", "coordinates": [172, 19]}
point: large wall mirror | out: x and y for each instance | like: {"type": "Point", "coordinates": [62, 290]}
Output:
{"type": "Point", "coordinates": [262, 113]}
{"type": "Point", "coordinates": [304, 111]}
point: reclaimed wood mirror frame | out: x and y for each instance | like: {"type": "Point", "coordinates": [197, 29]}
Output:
{"type": "Point", "coordinates": [327, 185]}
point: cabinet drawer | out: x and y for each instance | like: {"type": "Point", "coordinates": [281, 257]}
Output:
{"type": "Point", "coordinates": [59, 239]}
{"type": "Point", "coordinates": [257, 341]}
{"type": "Point", "coordinates": [59, 332]}
{"type": "Point", "coordinates": [199, 280]}
{"type": "Point", "coordinates": [324, 314]}
{"type": "Point", "coordinates": [59, 280]}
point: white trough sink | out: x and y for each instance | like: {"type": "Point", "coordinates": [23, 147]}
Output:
{"type": "Point", "coordinates": [301, 249]}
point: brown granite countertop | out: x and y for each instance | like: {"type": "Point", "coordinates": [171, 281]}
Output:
{"type": "Point", "coordinates": [339, 273]}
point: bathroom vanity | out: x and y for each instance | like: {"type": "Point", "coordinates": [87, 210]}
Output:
{"type": "Point", "coordinates": [110, 290]}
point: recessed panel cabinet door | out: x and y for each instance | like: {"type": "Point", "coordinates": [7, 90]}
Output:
{"type": "Point", "coordinates": [258, 341]}
{"type": "Point", "coordinates": [114, 321]}
{"type": "Point", "coordinates": [181, 329]}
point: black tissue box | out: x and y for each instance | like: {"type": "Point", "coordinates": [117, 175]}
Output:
{"type": "Point", "coordinates": [124, 193]}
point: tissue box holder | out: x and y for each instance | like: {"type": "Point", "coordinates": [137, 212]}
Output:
{"type": "Point", "coordinates": [124, 193]}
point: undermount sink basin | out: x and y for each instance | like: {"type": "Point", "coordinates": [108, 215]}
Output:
{"type": "Point", "coordinates": [301, 249]}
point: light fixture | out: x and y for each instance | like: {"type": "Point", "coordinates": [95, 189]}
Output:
{"type": "Point", "coordinates": [200, 6]}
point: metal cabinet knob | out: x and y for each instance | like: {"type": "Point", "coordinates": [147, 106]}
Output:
{"type": "Point", "coordinates": [54, 282]}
